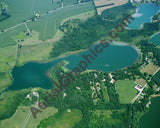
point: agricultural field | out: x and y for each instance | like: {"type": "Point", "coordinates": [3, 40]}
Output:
{"type": "Point", "coordinates": [48, 25]}
{"type": "Point", "coordinates": [140, 81]}
{"type": "Point", "coordinates": [150, 68]}
{"type": "Point", "coordinates": [17, 120]}
{"type": "Point", "coordinates": [156, 78]}
{"type": "Point", "coordinates": [21, 10]}
{"type": "Point", "coordinates": [126, 91]}
{"type": "Point", "coordinates": [102, 5]}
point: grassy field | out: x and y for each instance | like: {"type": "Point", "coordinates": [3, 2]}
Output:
{"type": "Point", "coordinates": [83, 16]}
{"type": "Point", "coordinates": [126, 91]}
{"type": "Point", "coordinates": [38, 52]}
{"type": "Point", "coordinates": [17, 120]}
{"type": "Point", "coordinates": [150, 68]}
{"type": "Point", "coordinates": [7, 61]}
{"type": "Point", "coordinates": [67, 120]}
{"type": "Point", "coordinates": [105, 93]}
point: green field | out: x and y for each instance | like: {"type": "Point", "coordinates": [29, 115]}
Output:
{"type": "Point", "coordinates": [17, 120]}
{"type": "Point", "coordinates": [126, 91]}
{"type": "Point", "coordinates": [67, 120]}
{"type": "Point", "coordinates": [156, 78]}
{"type": "Point", "coordinates": [21, 10]}
{"type": "Point", "coordinates": [49, 24]}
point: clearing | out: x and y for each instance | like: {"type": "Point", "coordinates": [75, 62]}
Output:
{"type": "Point", "coordinates": [126, 91]}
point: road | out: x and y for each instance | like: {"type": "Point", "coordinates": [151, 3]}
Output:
{"type": "Point", "coordinates": [138, 94]}
{"type": "Point", "coordinates": [28, 116]}
{"type": "Point", "coordinates": [143, 88]}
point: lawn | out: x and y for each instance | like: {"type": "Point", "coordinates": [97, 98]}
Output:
{"type": "Point", "coordinates": [126, 90]}
{"type": "Point", "coordinates": [17, 120]}
{"type": "Point", "coordinates": [67, 119]}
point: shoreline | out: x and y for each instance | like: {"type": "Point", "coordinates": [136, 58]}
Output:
{"type": "Point", "coordinates": [152, 96]}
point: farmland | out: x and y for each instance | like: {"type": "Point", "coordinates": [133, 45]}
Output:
{"type": "Point", "coordinates": [49, 24]}
{"type": "Point", "coordinates": [106, 4]}
{"type": "Point", "coordinates": [150, 68]}
{"type": "Point", "coordinates": [156, 78]}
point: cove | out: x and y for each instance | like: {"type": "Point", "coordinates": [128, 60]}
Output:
{"type": "Point", "coordinates": [143, 14]}
{"type": "Point", "coordinates": [34, 74]}
{"type": "Point", "coordinates": [155, 39]}
{"type": "Point", "coordinates": [151, 119]}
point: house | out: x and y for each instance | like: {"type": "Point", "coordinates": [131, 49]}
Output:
{"type": "Point", "coordinates": [138, 87]}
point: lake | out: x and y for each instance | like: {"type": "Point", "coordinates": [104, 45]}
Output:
{"type": "Point", "coordinates": [155, 39]}
{"type": "Point", "coordinates": [33, 74]}
{"type": "Point", "coordinates": [143, 14]}
{"type": "Point", "coordinates": [151, 119]}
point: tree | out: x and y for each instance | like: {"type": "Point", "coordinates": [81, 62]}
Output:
{"type": "Point", "coordinates": [3, 8]}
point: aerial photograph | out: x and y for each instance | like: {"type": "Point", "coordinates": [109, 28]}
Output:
{"type": "Point", "coordinates": [79, 63]}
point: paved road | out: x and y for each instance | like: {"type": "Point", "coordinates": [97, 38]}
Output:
{"type": "Point", "coordinates": [138, 94]}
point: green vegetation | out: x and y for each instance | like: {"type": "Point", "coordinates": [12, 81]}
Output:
{"type": "Point", "coordinates": [49, 24]}
{"type": "Point", "coordinates": [3, 8]}
{"type": "Point", "coordinates": [118, 12]}
{"type": "Point", "coordinates": [11, 102]}
{"type": "Point", "coordinates": [65, 119]}
{"type": "Point", "coordinates": [87, 33]}
{"type": "Point", "coordinates": [126, 90]}
{"type": "Point", "coordinates": [6, 37]}
{"type": "Point", "coordinates": [21, 114]}
{"type": "Point", "coordinates": [156, 78]}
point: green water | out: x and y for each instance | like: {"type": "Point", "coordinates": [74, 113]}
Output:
{"type": "Point", "coordinates": [156, 39]}
{"type": "Point", "coordinates": [151, 119]}
{"type": "Point", "coordinates": [112, 58]}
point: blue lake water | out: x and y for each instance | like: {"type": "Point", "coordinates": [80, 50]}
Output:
{"type": "Point", "coordinates": [33, 74]}
{"type": "Point", "coordinates": [143, 15]}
